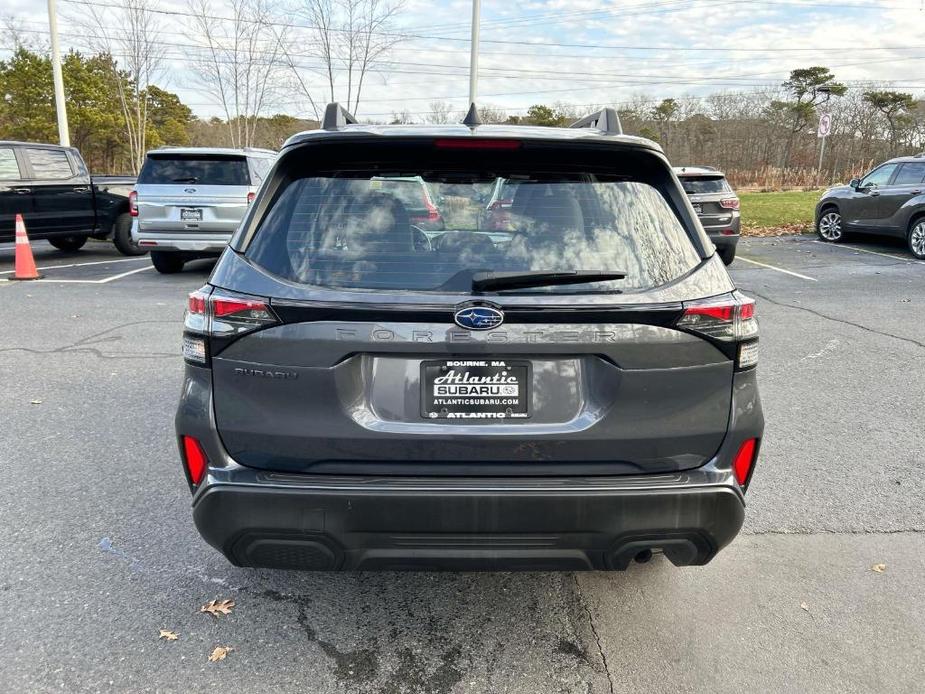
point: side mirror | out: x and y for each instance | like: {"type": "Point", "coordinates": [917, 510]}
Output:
{"type": "Point", "coordinates": [855, 183]}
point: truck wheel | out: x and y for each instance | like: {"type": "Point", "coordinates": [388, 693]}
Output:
{"type": "Point", "coordinates": [122, 236]}
{"type": "Point", "coordinates": [167, 263]}
{"type": "Point", "coordinates": [68, 243]}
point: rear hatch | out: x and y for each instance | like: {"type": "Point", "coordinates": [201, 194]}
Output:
{"type": "Point", "coordinates": [192, 193]}
{"type": "Point", "coordinates": [706, 193]}
{"type": "Point", "coordinates": [348, 340]}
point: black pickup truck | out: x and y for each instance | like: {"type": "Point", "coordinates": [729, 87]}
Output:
{"type": "Point", "coordinates": [50, 186]}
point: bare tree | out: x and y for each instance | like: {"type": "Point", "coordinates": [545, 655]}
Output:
{"type": "Point", "coordinates": [240, 60]}
{"type": "Point", "coordinates": [350, 39]}
{"type": "Point", "coordinates": [441, 113]}
{"type": "Point", "coordinates": [131, 33]}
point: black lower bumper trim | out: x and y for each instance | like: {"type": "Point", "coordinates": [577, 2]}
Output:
{"type": "Point", "coordinates": [461, 529]}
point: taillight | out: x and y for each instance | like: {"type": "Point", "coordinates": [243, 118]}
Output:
{"type": "Point", "coordinates": [729, 203]}
{"type": "Point", "coordinates": [730, 321]}
{"type": "Point", "coordinates": [215, 317]}
{"type": "Point", "coordinates": [500, 204]}
{"type": "Point", "coordinates": [251, 197]}
{"type": "Point", "coordinates": [433, 214]}
{"type": "Point", "coordinates": [195, 459]}
{"type": "Point", "coordinates": [133, 203]}
{"type": "Point", "coordinates": [744, 461]}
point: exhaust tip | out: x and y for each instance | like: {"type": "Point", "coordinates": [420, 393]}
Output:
{"type": "Point", "coordinates": [643, 556]}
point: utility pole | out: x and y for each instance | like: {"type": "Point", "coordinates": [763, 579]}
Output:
{"type": "Point", "coordinates": [61, 108]}
{"type": "Point", "coordinates": [474, 54]}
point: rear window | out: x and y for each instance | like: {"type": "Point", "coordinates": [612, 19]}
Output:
{"type": "Point", "coordinates": [359, 230]}
{"type": "Point", "coordinates": [195, 170]}
{"type": "Point", "coordinates": [701, 185]}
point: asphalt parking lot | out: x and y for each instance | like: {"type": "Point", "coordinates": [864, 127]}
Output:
{"type": "Point", "coordinates": [100, 552]}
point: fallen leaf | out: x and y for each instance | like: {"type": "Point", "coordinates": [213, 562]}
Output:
{"type": "Point", "coordinates": [804, 606]}
{"type": "Point", "coordinates": [878, 568]}
{"type": "Point", "coordinates": [36, 402]}
{"type": "Point", "coordinates": [220, 653]}
{"type": "Point", "coordinates": [217, 607]}
{"type": "Point", "coordinates": [168, 635]}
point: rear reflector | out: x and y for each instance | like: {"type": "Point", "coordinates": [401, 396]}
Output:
{"type": "Point", "coordinates": [195, 459]}
{"type": "Point", "coordinates": [470, 143]}
{"type": "Point", "coordinates": [744, 460]}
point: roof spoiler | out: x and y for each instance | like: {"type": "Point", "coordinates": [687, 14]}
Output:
{"type": "Point", "coordinates": [606, 120]}
{"type": "Point", "coordinates": [336, 117]}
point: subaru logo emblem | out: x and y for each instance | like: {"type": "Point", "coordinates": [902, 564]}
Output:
{"type": "Point", "coordinates": [478, 317]}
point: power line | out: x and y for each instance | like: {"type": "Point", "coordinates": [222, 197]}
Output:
{"type": "Point", "coordinates": [407, 35]}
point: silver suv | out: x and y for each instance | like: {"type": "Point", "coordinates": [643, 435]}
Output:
{"type": "Point", "coordinates": [189, 201]}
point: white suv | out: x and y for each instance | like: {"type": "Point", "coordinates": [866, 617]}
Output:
{"type": "Point", "coordinates": [189, 201]}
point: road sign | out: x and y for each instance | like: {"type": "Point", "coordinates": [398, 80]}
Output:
{"type": "Point", "coordinates": [825, 125]}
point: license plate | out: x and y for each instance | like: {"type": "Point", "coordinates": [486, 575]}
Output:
{"type": "Point", "coordinates": [698, 208]}
{"type": "Point", "coordinates": [190, 214]}
{"type": "Point", "coordinates": [475, 389]}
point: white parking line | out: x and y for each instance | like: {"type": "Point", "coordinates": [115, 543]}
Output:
{"type": "Point", "coordinates": [908, 259]}
{"type": "Point", "coordinates": [95, 262]}
{"type": "Point", "coordinates": [778, 269]}
{"type": "Point", "coordinates": [105, 280]}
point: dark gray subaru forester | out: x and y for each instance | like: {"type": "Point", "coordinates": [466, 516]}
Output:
{"type": "Point", "coordinates": [573, 388]}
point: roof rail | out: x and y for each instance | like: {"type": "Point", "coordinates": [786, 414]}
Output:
{"type": "Point", "coordinates": [336, 116]}
{"type": "Point", "coordinates": [606, 120]}
{"type": "Point", "coordinates": [472, 117]}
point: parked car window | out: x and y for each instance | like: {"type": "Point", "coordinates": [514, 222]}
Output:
{"type": "Point", "coordinates": [200, 170]}
{"type": "Point", "coordinates": [9, 169]}
{"type": "Point", "coordinates": [50, 163]}
{"type": "Point", "coordinates": [910, 174]}
{"type": "Point", "coordinates": [345, 230]}
{"type": "Point", "coordinates": [698, 185]}
{"type": "Point", "coordinates": [878, 177]}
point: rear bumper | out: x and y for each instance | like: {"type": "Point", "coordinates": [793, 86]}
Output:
{"type": "Point", "coordinates": [210, 242]}
{"type": "Point", "coordinates": [724, 235]}
{"type": "Point", "coordinates": [321, 523]}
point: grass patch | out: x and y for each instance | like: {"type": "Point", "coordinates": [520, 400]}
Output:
{"type": "Point", "coordinates": [792, 209]}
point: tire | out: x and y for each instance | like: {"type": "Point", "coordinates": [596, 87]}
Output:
{"type": "Point", "coordinates": [727, 254]}
{"type": "Point", "coordinates": [167, 263]}
{"type": "Point", "coordinates": [916, 238]}
{"type": "Point", "coordinates": [122, 236]}
{"type": "Point", "coordinates": [68, 243]}
{"type": "Point", "coordinates": [829, 226]}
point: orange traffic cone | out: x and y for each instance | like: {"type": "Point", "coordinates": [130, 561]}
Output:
{"type": "Point", "coordinates": [25, 263]}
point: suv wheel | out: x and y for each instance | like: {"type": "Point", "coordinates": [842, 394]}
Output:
{"type": "Point", "coordinates": [167, 263]}
{"type": "Point", "coordinates": [728, 254]}
{"type": "Point", "coordinates": [122, 236]}
{"type": "Point", "coordinates": [68, 243]}
{"type": "Point", "coordinates": [829, 226]}
{"type": "Point", "coordinates": [917, 238]}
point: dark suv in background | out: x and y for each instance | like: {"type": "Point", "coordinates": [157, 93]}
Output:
{"type": "Point", "coordinates": [716, 205]}
{"type": "Point", "coordinates": [890, 200]}
{"type": "Point", "coordinates": [574, 391]}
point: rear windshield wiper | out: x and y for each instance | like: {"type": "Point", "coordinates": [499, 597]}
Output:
{"type": "Point", "coordinates": [188, 179]}
{"type": "Point", "coordinates": [488, 281]}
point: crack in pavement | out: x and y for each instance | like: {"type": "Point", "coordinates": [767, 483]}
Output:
{"type": "Point", "coordinates": [85, 344]}
{"type": "Point", "coordinates": [597, 637]}
{"type": "Point", "coordinates": [844, 321]}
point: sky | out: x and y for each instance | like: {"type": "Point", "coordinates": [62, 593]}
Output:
{"type": "Point", "coordinates": [582, 52]}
